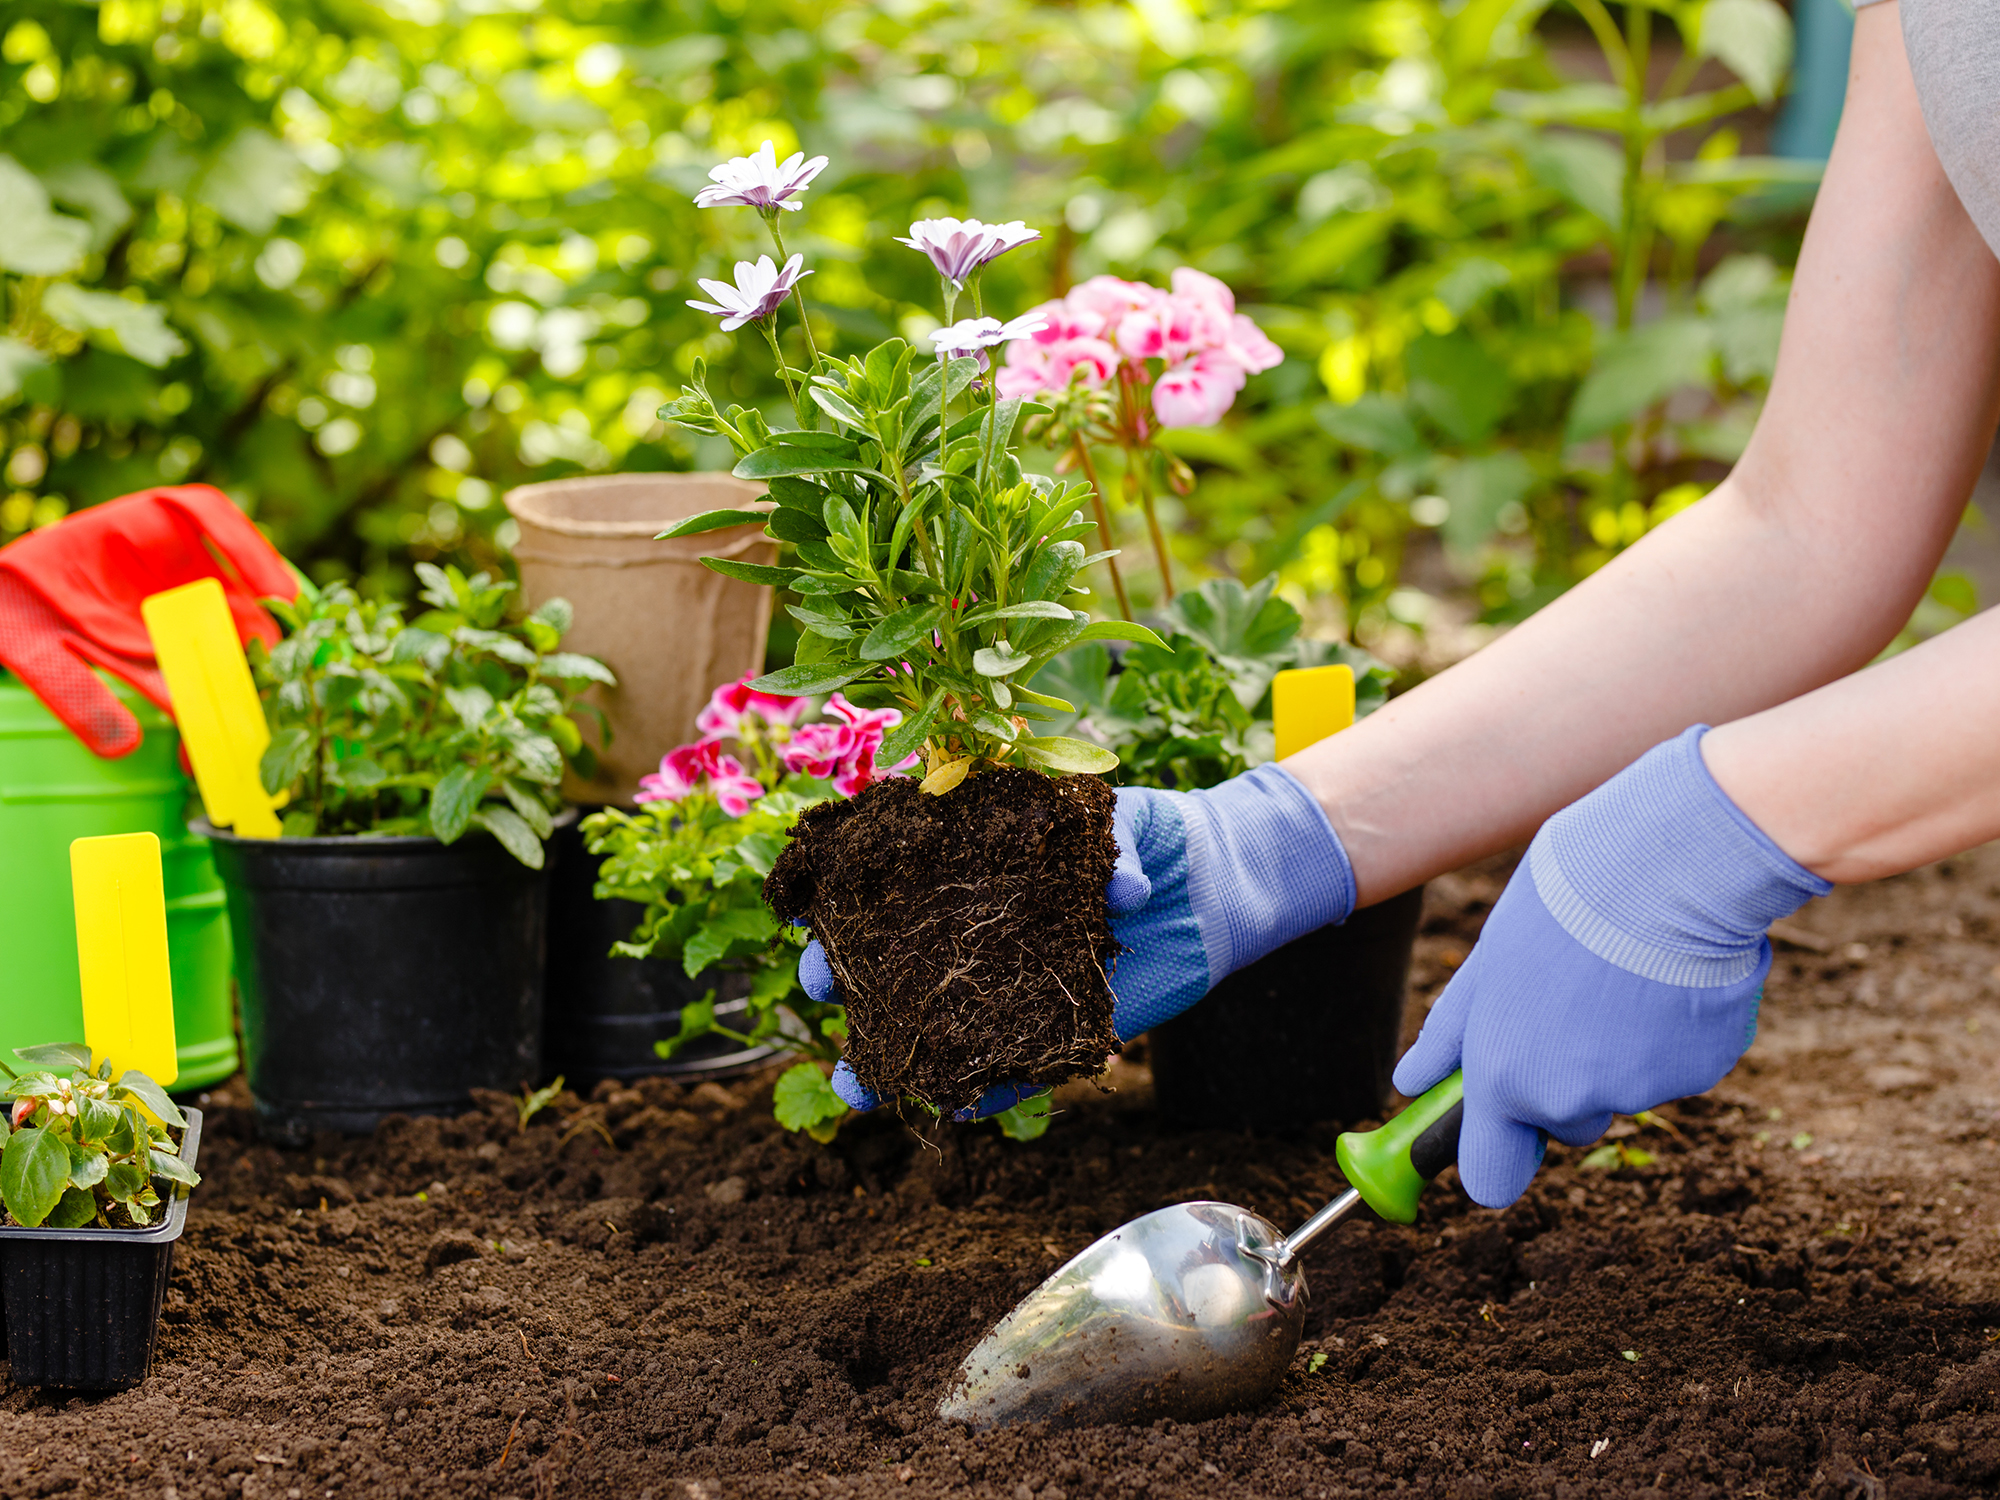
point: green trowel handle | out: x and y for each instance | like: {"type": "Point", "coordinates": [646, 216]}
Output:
{"type": "Point", "coordinates": [1392, 1166]}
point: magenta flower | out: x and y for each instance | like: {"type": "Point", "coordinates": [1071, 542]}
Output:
{"type": "Point", "coordinates": [759, 181]}
{"type": "Point", "coordinates": [958, 247]}
{"type": "Point", "coordinates": [722, 717]}
{"type": "Point", "coordinates": [844, 752]}
{"type": "Point", "coordinates": [1035, 366]}
{"type": "Point", "coordinates": [1196, 392]}
{"type": "Point", "coordinates": [760, 290]}
{"type": "Point", "coordinates": [1251, 347]}
{"type": "Point", "coordinates": [686, 769]}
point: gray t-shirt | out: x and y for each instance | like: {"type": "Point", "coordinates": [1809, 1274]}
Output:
{"type": "Point", "coordinates": [1954, 48]}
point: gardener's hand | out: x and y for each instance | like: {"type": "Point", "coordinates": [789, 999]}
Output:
{"type": "Point", "coordinates": [1205, 883]}
{"type": "Point", "coordinates": [1621, 968]}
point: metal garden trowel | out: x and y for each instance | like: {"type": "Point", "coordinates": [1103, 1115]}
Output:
{"type": "Point", "coordinates": [1190, 1311]}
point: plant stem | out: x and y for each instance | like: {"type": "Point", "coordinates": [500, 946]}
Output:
{"type": "Point", "coordinates": [1103, 524]}
{"type": "Point", "coordinates": [1137, 461]}
{"type": "Point", "coordinates": [771, 337]}
{"type": "Point", "coordinates": [805, 323]}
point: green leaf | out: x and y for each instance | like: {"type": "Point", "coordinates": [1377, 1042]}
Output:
{"type": "Point", "coordinates": [805, 1098]}
{"type": "Point", "coordinates": [809, 679]}
{"type": "Point", "coordinates": [1028, 1120]}
{"type": "Point", "coordinates": [76, 1208]}
{"type": "Point", "coordinates": [1584, 169]}
{"type": "Point", "coordinates": [1478, 490]}
{"type": "Point", "coordinates": [1033, 609]}
{"type": "Point", "coordinates": [34, 1172]}
{"type": "Point", "coordinates": [779, 460]}
{"type": "Point", "coordinates": [998, 660]}
{"type": "Point", "coordinates": [255, 180]}
{"type": "Point", "coordinates": [1637, 369]}
{"type": "Point", "coordinates": [512, 830]}
{"type": "Point", "coordinates": [908, 737]}
{"type": "Point", "coordinates": [1118, 630]}
{"type": "Point", "coordinates": [715, 939]}
{"type": "Point", "coordinates": [56, 1055]}
{"type": "Point", "coordinates": [569, 666]}
{"type": "Point", "coordinates": [454, 800]}
{"type": "Point", "coordinates": [38, 241]}
{"type": "Point", "coordinates": [119, 324]}
{"type": "Point", "coordinates": [138, 1086]}
{"type": "Point", "coordinates": [1752, 38]}
{"type": "Point", "coordinates": [1066, 756]}
{"type": "Point", "coordinates": [790, 524]}
{"type": "Point", "coordinates": [782, 578]}
{"type": "Point", "coordinates": [897, 633]}
{"type": "Point", "coordinates": [1375, 424]}
{"type": "Point", "coordinates": [166, 1164]}
{"type": "Point", "coordinates": [17, 362]}
{"type": "Point", "coordinates": [1458, 385]}
{"type": "Point", "coordinates": [712, 520]}
{"type": "Point", "coordinates": [528, 803]}
{"type": "Point", "coordinates": [86, 1166]}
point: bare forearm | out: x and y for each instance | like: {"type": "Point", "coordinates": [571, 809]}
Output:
{"type": "Point", "coordinates": [1720, 613]}
{"type": "Point", "coordinates": [1796, 571]}
{"type": "Point", "coordinates": [1882, 771]}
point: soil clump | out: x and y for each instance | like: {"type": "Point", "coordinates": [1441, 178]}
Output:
{"type": "Point", "coordinates": [1789, 1287]}
{"type": "Point", "coordinates": [967, 930]}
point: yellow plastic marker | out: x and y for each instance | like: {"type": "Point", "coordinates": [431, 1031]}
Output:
{"type": "Point", "coordinates": [1310, 703]}
{"type": "Point", "coordinates": [121, 953]}
{"type": "Point", "coordinates": [215, 704]}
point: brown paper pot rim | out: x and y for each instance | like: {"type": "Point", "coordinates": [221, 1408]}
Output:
{"type": "Point", "coordinates": [539, 504]}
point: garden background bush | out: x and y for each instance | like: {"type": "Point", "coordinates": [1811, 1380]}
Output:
{"type": "Point", "coordinates": [366, 266]}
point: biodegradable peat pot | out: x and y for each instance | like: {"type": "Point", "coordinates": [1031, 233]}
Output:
{"type": "Point", "coordinates": [605, 1013]}
{"type": "Point", "coordinates": [81, 1307]}
{"type": "Point", "coordinates": [383, 975]}
{"type": "Point", "coordinates": [670, 629]}
{"type": "Point", "coordinates": [1307, 1033]}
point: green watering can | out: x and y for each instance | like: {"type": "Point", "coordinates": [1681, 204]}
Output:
{"type": "Point", "coordinates": [53, 791]}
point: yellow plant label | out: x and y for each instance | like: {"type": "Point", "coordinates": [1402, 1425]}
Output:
{"type": "Point", "coordinates": [1310, 703]}
{"type": "Point", "coordinates": [215, 704]}
{"type": "Point", "coordinates": [121, 953]}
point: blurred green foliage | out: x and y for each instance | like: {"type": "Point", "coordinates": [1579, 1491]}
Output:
{"type": "Point", "coordinates": [367, 265]}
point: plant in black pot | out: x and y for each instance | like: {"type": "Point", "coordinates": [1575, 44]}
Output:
{"type": "Point", "coordinates": [94, 1173]}
{"type": "Point", "coordinates": [693, 858]}
{"type": "Point", "coordinates": [1309, 1031]}
{"type": "Point", "coordinates": [390, 945]}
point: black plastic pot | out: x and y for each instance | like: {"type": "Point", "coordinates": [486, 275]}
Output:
{"type": "Point", "coordinates": [81, 1307]}
{"type": "Point", "coordinates": [1307, 1033]}
{"type": "Point", "coordinates": [604, 1014]}
{"type": "Point", "coordinates": [382, 976]}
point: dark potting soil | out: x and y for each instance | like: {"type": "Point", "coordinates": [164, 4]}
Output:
{"type": "Point", "coordinates": [655, 1294]}
{"type": "Point", "coordinates": [967, 930]}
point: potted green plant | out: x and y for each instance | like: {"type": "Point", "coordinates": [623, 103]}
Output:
{"type": "Point", "coordinates": [691, 860]}
{"type": "Point", "coordinates": [94, 1174]}
{"type": "Point", "coordinates": [1308, 1032]}
{"type": "Point", "coordinates": [390, 945]}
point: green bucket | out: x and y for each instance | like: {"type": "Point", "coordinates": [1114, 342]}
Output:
{"type": "Point", "coordinates": [52, 790]}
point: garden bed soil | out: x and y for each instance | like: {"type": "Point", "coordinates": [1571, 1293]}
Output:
{"type": "Point", "coordinates": [656, 1294]}
{"type": "Point", "coordinates": [967, 930]}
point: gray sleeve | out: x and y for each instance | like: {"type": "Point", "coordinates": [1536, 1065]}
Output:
{"type": "Point", "coordinates": [1955, 57]}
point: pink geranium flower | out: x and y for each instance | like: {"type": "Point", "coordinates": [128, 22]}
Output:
{"type": "Point", "coordinates": [688, 768]}
{"type": "Point", "coordinates": [722, 716]}
{"type": "Point", "coordinates": [1196, 392]}
{"type": "Point", "coordinates": [844, 752]}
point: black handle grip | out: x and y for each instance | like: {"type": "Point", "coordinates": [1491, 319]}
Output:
{"type": "Point", "coordinates": [1437, 1147]}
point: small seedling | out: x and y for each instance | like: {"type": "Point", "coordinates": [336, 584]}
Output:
{"type": "Point", "coordinates": [86, 1146]}
{"type": "Point", "coordinates": [533, 1103]}
{"type": "Point", "coordinates": [1613, 1155]}
{"type": "Point", "coordinates": [1316, 1363]}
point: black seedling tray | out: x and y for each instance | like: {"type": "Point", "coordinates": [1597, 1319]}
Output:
{"type": "Point", "coordinates": [81, 1307]}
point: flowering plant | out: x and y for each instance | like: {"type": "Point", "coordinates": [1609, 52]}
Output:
{"type": "Point", "coordinates": [931, 570]}
{"type": "Point", "coordinates": [695, 855]}
{"type": "Point", "coordinates": [86, 1146]}
{"type": "Point", "coordinates": [1121, 360]}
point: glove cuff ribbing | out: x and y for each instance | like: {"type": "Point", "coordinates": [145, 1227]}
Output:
{"type": "Point", "coordinates": [1659, 873]}
{"type": "Point", "coordinates": [1264, 866]}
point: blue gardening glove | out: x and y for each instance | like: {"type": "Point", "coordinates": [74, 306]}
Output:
{"type": "Point", "coordinates": [1205, 883]}
{"type": "Point", "coordinates": [1621, 968]}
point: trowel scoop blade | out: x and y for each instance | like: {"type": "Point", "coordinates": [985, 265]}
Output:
{"type": "Point", "coordinates": [1172, 1315]}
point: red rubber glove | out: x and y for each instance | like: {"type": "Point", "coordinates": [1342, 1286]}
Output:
{"type": "Point", "coordinates": [70, 596]}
